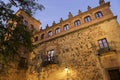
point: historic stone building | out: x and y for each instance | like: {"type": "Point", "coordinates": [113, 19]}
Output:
{"type": "Point", "coordinates": [87, 45]}
{"type": "Point", "coordinates": [83, 47]}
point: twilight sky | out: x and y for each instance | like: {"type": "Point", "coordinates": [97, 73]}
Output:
{"type": "Point", "coordinates": [55, 9]}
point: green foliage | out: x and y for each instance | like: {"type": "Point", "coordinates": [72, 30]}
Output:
{"type": "Point", "coordinates": [29, 6]}
{"type": "Point", "coordinates": [12, 38]}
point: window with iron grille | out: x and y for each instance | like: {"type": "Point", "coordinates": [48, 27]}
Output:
{"type": "Point", "coordinates": [50, 55]}
{"type": "Point", "coordinates": [103, 43]}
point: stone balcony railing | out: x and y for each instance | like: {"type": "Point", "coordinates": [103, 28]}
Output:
{"type": "Point", "coordinates": [101, 51]}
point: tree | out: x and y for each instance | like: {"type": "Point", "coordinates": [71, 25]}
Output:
{"type": "Point", "coordinates": [11, 40]}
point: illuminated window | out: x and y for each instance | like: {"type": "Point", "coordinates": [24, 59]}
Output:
{"type": "Point", "coordinates": [98, 14]}
{"type": "Point", "coordinates": [49, 33]}
{"type": "Point", "coordinates": [57, 30]}
{"type": "Point", "coordinates": [103, 43]}
{"type": "Point", "coordinates": [66, 27]}
{"type": "Point", "coordinates": [87, 19]}
{"type": "Point", "coordinates": [77, 23]}
{"type": "Point", "coordinates": [50, 55]}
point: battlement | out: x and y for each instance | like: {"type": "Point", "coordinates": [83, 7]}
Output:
{"type": "Point", "coordinates": [73, 23]}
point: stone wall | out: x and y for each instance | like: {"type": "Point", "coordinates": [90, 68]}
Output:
{"type": "Point", "coordinates": [78, 51]}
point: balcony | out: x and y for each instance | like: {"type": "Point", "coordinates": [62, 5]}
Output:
{"type": "Point", "coordinates": [105, 50]}
{"type": "Point", "coordinates": [51, 60]}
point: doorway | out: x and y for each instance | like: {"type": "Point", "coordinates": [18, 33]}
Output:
{"type": "Point", "coordinates": [114, 74]}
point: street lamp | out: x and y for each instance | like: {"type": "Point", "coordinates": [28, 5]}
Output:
{"type": "Point", "coordinates": [66, 69]}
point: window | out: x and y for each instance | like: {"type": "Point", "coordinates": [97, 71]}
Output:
{"type": "Point", "coordinates": [49, 33]}
{"type": "Point", "coordinates": [36, 38]}
{"type": "Point", "coordinates": [43, 36]}
{"type": "Point", "coordinates": [77, 23]}
{"type": "Point", "coordinates": [114, 74]}
{"type": "Point", "coordinates": [98, 14]}
{"type": "Point", "coordinates": [57, 30]}
{"type": "Point", "coordinates": [87, 19]}
{"type": "Point", "coordinates": [50, 55]}
{"type": "Point", "coordinates": [103, 43]}
{"type": "Point", "coordinates": [66, 27]}
{"type": "Point", "coordinates": [31, 27]}
{"type": "Point", "coordinates": [25, 23]}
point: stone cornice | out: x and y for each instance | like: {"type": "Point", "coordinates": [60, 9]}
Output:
{"type": "Point", "coordinates": [73, 30]}
{"type": "Point", "coordinates": [81, 14]}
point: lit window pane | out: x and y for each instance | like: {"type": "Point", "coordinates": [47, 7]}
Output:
{"type": "Point", "coordinates": [103, 43]}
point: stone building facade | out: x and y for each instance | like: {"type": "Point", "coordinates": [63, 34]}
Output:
{"type": "Point", "coordinates": [87, 44]}
{"type": "Point", "coordinates": [83, 47]}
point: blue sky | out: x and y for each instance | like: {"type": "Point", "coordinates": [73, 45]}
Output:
{"type": "Point", "coordinates": [55, 9]}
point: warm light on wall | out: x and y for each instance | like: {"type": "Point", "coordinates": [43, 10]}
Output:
{"type": "Point", "coordinates": [66, 69]}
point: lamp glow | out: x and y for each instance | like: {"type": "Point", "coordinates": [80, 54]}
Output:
{"type": "Point", "coordinates": [66, 68]}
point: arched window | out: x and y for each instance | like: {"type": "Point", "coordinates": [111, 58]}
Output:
{"type": "Point", "coordinates": [43, 36]}
{"type": "Point", "coordinates": [87, 19]}
{"type": "Point", "coordinates": [31, 27]}
{"type": "Point", "coordinates": [36, 38]}
{"type": "Point", "coordinates": [66, 27]}
{"type": "Point", "coordinates": [77, 23]}
{"type": "Point", "coordinates": [98, 14]}
{"type": "Point", "coordinates": [57, 30]}
{"type": "Point", "coordinates": [49, 33]}
{"type": "Point", "coordinates": [25, 23]}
